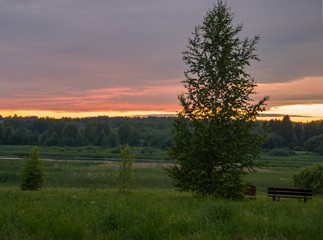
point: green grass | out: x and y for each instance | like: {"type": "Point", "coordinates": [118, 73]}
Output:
{"type": "Point", "coordinates": [100, 174]}
{"type": "Point", "coordinates": [80, 201]}
{"type": "Point", "coordinates": [94, 174]}
{"type": "Point", "coordinates": [271, 177]}
{"type": "Point", "coordinates": [298, 160]}
{"type": "Point", "coordinates": [65, 213]}
{"type": "Point", "coordinates": [84, 174]}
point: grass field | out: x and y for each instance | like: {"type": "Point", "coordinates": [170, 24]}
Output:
{"type": "Point", "coordinates": [86, 174]}
{"type": "Point", "coordinates": [65, 213]}
{"type": "Point", "coordinates": [100, 174]}
{"type": "Point", "coordinates": [80, 201]}
{"type": "Point", "coordinates": [83, 172]}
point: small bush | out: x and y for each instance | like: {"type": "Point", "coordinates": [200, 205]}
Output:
{"type": "Point", "coordinates": [33, 172]}
{"type": "Point", "coordinates": [298, 148]}
{"type": "Point", "coordinates": [282, 152]}
{"type": "Point", "coordinates": [320, 148]}
{"type": "Point", "coordinates": [310, 177]}
{"type": "Point", "coordinates": [274, 141]}
{"type": "Point", "coordinates": [313, 144]}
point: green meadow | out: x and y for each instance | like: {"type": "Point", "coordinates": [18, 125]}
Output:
{"type": "Point", "coordinates": [80, 200]}
{"type": "Point", "coordinates": [69, 213]}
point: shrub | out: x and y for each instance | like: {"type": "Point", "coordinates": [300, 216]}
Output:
{"type": "Point", "coordinates": [33, 172]}
{"type": "Point", "coordinates": [274, 141]}
{"type": "Point", "coordinates": [320, 148]}
{"type": "Point", "coordinates": [310, 177]}
{"type": "Point", "coordinates": [283, 152]}
{"type": "Point", "coordinates": [313, 144]}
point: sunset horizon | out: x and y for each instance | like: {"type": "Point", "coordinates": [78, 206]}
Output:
{"type": "Point", "coordinates": [297, 113]}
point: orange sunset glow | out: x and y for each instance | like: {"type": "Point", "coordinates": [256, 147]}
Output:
{"type": "Point", "coordinates": [123, 58]}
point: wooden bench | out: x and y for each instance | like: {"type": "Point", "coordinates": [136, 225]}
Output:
{"type": "Point", "coordinates": [289, 193]}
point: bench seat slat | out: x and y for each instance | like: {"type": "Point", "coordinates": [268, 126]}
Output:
{"type": "Point", "coordinates": [289, 193]}
{"type": "Point", "coordinates": [290, 189]}
{"type": "Point", "coordinates": [278, 196]}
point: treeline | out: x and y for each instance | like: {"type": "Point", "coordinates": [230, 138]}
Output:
{"type": "Point", "coordinates": [144, 132]}
{"type": "Point", "coordinates": [295, 136]}
{"type": "Point", "coordinates": [97, 131]}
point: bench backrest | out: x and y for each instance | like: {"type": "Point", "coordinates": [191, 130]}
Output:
{"type": "Point", "coordinates": [290, 191]}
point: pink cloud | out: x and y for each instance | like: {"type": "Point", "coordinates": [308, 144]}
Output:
{"type": "Point", "coordinates": [303, 91]}
{"type": "Point", "coordinates": [147, 98]}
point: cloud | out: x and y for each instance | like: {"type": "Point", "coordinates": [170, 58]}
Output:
{"type": "Point", "coordinates": [291, 32]}
{"type": "Point", "coordinates": [303, 91]}
{"type": "Point", "coordinates": [108, 54]}
{"type": "Point", "coordinates": [148, 98]}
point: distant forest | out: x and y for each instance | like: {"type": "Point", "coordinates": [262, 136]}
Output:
{"type": "Point", "coordinates": [144, 132]}
{"type": "Point", "coordinates": [96, 131]}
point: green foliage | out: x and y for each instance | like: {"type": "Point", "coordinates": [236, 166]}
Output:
{"type": "Point", "coordinates": [99, 131]}
{"type": "Point", "coordinates": [313, 144]}
{"type": "Point", "coordinates": [1, 134]}
{"type": "Point", "coordinates": [33, 172]}
{"type": "Point", "coordinates": [124, 175]}
{"type": "Point", "coordinates": [320, 148]}
{"type": "Point", "coordinates": [281, 152]}
{"type": "Point", "coordinates": [310, 177]}
{"type": "Point", "coordinates": [287, 130]}
{"type": "Point", "coordinates": [274, 141]}
{"type": "Point", "coordinates": [214, 138]}
{"type": "Point", "coordinates": [143, 132]}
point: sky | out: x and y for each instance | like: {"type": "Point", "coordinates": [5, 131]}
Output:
{"type": "Point", "coordinates": [81, 58]}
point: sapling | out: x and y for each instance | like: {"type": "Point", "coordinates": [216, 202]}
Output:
{"type": "Point", "coordinates": [124, 176]}
{"type": "Point", "coordinates": [33, 172]}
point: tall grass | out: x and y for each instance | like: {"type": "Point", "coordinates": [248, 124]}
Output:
{"type": "Point", "coordinates": [64, 213]}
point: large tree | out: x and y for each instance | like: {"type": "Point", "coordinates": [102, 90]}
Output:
{"type": "Point", "coordinates": [215, 142]}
